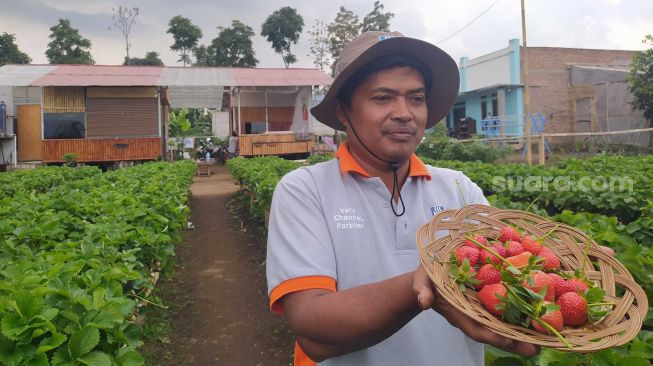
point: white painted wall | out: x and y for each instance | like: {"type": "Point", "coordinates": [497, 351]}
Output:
{"type": "Point", "coordinates": [489, 70]}
{"type": "Point", "coordinates": [220, 124]}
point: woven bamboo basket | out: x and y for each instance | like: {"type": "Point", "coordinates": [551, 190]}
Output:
{"type": "Point", "coordinates": [437, 239]}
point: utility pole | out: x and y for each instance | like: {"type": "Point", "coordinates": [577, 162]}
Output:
{"type": "Point", "coordinates": [524, 75]}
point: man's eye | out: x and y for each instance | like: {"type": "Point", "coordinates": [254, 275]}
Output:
{"type": "Point", "coordinates": [381, 98]}
{"type": "Point", "coordinates": [419, 98]}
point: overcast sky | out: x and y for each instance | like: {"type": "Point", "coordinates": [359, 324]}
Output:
{"type": "Point", "coordinates": [604, 24]}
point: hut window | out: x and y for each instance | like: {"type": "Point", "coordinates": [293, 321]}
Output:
{"type": "Point", "coordinates": [64, 125]}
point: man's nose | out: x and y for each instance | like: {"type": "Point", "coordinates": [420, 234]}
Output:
{"type": "Point", "coordinates": [401, 109]}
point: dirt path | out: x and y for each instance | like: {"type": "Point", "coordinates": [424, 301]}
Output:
{"type": "Point", "coordinates": [225, 319]}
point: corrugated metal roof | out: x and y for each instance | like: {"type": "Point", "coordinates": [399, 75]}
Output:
{"type": "Point", "coordinates": [92, 75]}
{"type": "Point", "coordinates": [280, 77]}
{"type": "Point", "coordinates": [102, 75]}
{"type": "Point", "coordinates": [23, 75]}
{"type": "Point", "coordinates": [195, 96]}
{"type": "Point", "coordinates": [189, 76]}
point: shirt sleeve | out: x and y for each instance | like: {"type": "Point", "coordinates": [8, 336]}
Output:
{"type": "Point", "coordinates": [300, 253]}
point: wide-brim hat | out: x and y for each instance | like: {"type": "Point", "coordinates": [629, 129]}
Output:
{"type": "Point", "coordinates": [372, 45]}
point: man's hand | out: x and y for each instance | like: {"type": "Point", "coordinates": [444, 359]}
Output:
{"type": "Point", "coordinates": [428, 298]}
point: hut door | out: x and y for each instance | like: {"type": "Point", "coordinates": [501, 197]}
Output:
{"type": "Point", "coordinates": [28, 132]}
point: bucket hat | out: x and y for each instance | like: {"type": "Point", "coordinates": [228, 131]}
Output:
{"type": "Point", "coordinates": [370, 46]}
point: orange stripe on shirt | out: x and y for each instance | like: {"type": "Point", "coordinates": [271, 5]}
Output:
{"type": "Point", "coordinates": [299, 284]}
{"type": "Point", "coordinates": [294, 285]}
{"type": "Point", "coordinates": [348, 164]}
{"type": "Point", "coordinates": [301, 359]}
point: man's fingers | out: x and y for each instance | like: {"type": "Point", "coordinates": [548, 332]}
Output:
{"type": "Point", "coordinates": [423, 287]}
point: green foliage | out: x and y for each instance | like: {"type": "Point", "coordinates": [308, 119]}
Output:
{"type": "Point", "coordinates": [151, 59]}
{"type": "Point", "coordinates": [70, 160]}
{"type": "Point", "coordinates": [260, 176]}
{"type": "Point", "coordinates": [377, 20]}
{"type": "Point", "coordinates": [232, 47]}
{"type": "Point", "coordinates": [67, 46]}
{"type": "Point", "coordinates": [282, 29]}
{"type": "Point", "coordinates": [72, 265]}
{"type": "Point", "coordinates": [641, 80]}
{"type": "Point", "coordinates": [186, 35]}
{"type": "Point", "coordinates": [9, 52]}
{"type": "Point", "coordinates": [436, 146]}
{"type": "Point", "coordinates": [318, 158]}
{"type": "Point", "coordinates": [344, 28]}
{"type": "Point", "coordinates": [41, 180]}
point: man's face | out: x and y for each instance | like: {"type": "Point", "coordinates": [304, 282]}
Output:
{"type": "Point", "coordinates": [389, 113]}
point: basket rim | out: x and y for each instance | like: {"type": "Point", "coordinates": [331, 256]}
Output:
{"type": "Point", "coordinates": [617, 328]}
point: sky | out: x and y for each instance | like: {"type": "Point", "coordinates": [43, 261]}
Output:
{"type": "Point", "coordinates": [460, 27]}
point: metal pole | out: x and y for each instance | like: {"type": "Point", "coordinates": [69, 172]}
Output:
{"type": "Point", "coordinates": [524, 74]}
{"type": "Point", "coordinates": [239, 118]}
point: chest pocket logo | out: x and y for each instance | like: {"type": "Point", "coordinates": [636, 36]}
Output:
{"type": "Point", "coordinates": [436, 209]}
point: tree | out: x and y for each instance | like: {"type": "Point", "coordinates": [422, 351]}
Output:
{"type": "Point", "coordinates": [123, 19]}
{"type": "Point", "coordinates": [186, 36]}
{"type": "Point", "coordinates": [232, 47]}
{"type": "Point", "coordinates": [151, 59]}
{"type": "Point", "coordinates": [283, 28]}
{"type": "Point", "coordinates": [9, 52]}
{"type": "Point", "coordinates": [345, 27]}
{"type": "Point", "coordinates": [67, 46]}
{"type": "Point", "coordinates": [641, 80]}
{"type": "Point", "coordinates": [319, 44]}
{"type": "Point", "coordinates": [377, 20]}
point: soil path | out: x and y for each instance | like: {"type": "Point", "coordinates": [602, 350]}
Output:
{"type": "Point", "coordinates": [225, 320]}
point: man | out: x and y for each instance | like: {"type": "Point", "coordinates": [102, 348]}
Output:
{"type": "Point", "coordinates": [342, 260]}
{"type": "Point", "coordinates": [233, 145]}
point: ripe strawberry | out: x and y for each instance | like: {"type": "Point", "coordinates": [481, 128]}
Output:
{"type": "Point", "coordinates": [488, 297]}
{"type": "Point", "coordinates": [552, 318]}
{"type": "Point", "coordinates": [560, 284]}
{"type": "Point", "coordinates": [508, 233]}
{"type": "Point", "coordinates": [578, 285]}
{"type": "Point", "coordinates": [541, 280]}
{"type": "Point", "coordinates": [487, 257]}
{"type": "Point", "coordinates": [467, 252]}
{"type": "Point", "coordinates": [573, 307]}
{"type": "Point", "coordinates": [551, 260]}
{"type": "Point", "coordinates": [520, 260]}
{"type": "Point", "coordinates": [531, 245]}
{"type": "Point", "coordinates": [479, 238]}
{"type": "Point", "coordinates": [514, 248]}
{"type": "Point", "coordinates": [487, 275]}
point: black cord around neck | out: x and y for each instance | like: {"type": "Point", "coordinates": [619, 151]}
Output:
{"type": "Point", "coordinates": [394, 166]}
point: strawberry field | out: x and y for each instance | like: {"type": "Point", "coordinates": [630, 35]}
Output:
{"type": "Point", "coordinates": [609, 197]}
{"type": "Point", "coordinates": [78, 249]}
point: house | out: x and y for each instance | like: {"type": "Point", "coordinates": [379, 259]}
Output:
{"type": "Point", "coordinates": [560, 90]}
{"type": "Point", "coordinates": [120, 113]}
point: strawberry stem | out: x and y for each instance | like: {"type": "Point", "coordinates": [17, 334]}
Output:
{"type": "Point", "coordinates": [552, 330]}
{"type": "Point", "coordinates": [528, 310]}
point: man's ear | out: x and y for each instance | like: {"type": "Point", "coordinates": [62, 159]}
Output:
{"type": "Point", "coordinates": [340, 113]}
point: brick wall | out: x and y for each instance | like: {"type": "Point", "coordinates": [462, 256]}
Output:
{"type": "Point", "coordinates": [549, 79]}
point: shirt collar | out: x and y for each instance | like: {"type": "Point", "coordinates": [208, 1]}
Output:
{"type": "Point", "coordinates": [348, 164]}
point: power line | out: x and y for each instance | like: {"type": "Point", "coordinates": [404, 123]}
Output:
{"type": "Point", "coordinates": [468, 24]}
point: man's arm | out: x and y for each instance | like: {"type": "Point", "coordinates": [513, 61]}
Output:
{"type": "Point", "coordinates": [329, 324]}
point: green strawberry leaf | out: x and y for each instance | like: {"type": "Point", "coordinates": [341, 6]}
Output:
{"type": "Point", "coordinates": [95, 358]}
{"type": "Point", "coordinates": [83, 341]}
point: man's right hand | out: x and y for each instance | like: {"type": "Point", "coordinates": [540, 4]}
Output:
{"type": "Point", "coordinates": [428, 298]}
